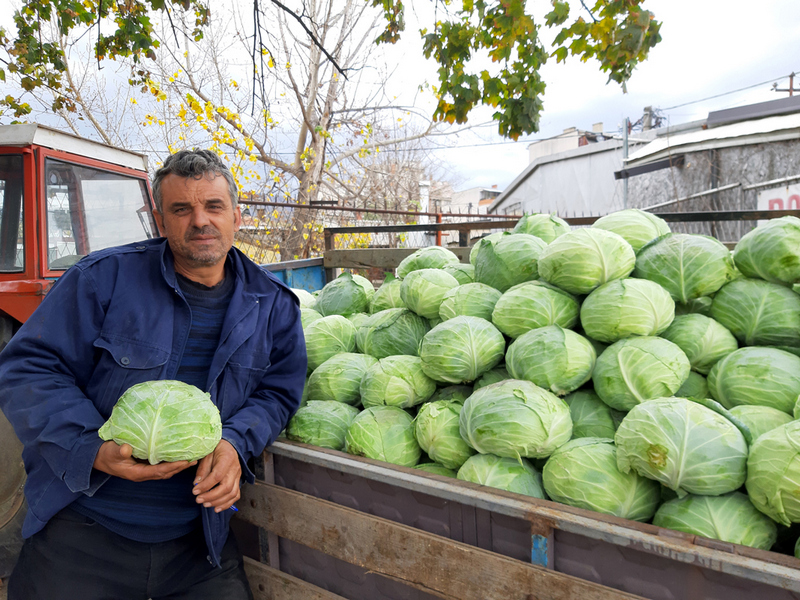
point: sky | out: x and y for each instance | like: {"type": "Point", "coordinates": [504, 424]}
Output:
{"type": "Point", "coordinates": [709, 50]}
{"type": "Point", "coordinates": [713, 55]}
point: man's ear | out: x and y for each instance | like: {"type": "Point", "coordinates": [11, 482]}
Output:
{"type": "Point", "coordinates": [237, 218]}
{"type": "Point", "coordinates": [159, 218]}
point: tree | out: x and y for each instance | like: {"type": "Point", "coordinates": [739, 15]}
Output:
{"type": "Point", "coordinates": [617, 33]}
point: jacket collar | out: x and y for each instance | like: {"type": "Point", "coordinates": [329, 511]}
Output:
{"type": "Point", "coordinates": [256, 281]}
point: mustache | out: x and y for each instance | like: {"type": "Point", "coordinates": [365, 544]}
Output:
{"type": "Point", "coordinates": [208, 230]}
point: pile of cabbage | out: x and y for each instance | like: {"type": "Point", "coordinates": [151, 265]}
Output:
{"type": "Point", "coordinates": [620, 368]}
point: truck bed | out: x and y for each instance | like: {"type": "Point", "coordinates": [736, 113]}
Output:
{"type": "Point", "coordinates": [359, 528]}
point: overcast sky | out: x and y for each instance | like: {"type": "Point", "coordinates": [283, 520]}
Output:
{"type": "Point", "coordinates": [708, 48]}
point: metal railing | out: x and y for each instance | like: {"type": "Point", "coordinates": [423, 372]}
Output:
{"type": "Point", "coordinates": [275, 231]}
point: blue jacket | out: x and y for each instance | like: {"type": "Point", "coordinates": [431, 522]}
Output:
{"type": "Point", "coordinates": [118, 318]}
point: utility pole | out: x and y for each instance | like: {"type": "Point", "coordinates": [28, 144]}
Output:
{"type": "Point", "coordinates": [625, 125]}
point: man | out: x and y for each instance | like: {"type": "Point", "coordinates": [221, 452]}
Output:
{"type": "Point", "coordinates": [101, 524]}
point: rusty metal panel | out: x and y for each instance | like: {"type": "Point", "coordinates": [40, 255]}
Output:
{"type": "Point", "coordinates": [652, 576]}
{"type": "Point", "coordinates": [636, 558]}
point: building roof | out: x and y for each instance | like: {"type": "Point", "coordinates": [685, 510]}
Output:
{"type": "Point", "coordinates": [756, 131]}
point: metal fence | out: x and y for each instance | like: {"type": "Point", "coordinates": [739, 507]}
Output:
{"type": "Point", "coordinates": [274, 231]}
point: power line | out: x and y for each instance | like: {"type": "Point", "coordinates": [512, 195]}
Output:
{"type": "Point", "coordinates": [749, 87]}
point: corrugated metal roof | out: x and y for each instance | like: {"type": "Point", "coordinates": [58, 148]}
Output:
{"type": "Point", "coordinates": [757, 131]}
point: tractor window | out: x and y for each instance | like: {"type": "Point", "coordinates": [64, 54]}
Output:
{"type": "Point", "coordinates": [89, 209]}
{"type": "Point", "coordinates": [12, 241]}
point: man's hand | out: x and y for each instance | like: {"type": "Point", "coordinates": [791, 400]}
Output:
{"type": "Point", "coordinates": [218, 475]}
{"type": "Point", "coordinates": [117, 460]}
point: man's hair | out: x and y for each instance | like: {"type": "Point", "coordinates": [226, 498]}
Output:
{"type": "Point", "coordinates": [195, 164]}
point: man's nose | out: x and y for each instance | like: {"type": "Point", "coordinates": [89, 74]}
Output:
{"type": "Point", "coordinates": [200, 217]}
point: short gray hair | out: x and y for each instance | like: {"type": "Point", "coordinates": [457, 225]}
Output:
{"type": "Point", "coordinates": [195, 164]}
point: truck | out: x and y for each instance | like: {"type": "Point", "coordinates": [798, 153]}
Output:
{"type": "Point", "coordinates": [321, 523]}
{"type": "Point", "coordinates": [61, 197]}
{"type": "Point", "coordinates": [333, 525]}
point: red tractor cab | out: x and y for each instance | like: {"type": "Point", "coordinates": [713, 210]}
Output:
{"type": "Point", "coordinates": [61, 197]}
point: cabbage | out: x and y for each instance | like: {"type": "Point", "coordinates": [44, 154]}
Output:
{"type": "Point", "coordinates": [308, 315]}
{"type": "Point", "coordinates": [584, 473]}
{"type": "Point", "coordinates": [436, 469]}
{"type": "Point", "coordinates": [685, 446]}
{"type": "Point", "coordinates": [511, 475]}
{"type": "Point", "coordinates": [695, 386]}
{"type": "Point", "coordinates": [164, 421]}
{"type": "Point", "coordinates": [492, 237]}
{"type": "Point", "coordinates": [496, 375]}
{"type": "Point", "coordinates": [461, 349]}
{"type": "Point", "coordinates": [387, 296]}
{"type": "Point", "coordinates": [760, 419]}
{"type": "Point", "coordinates": [508, 260]}
{"type": "Point", "coordinates": [328, 337]}
{"type": "Point", "coordinates": [383, 433]}
{"type": "Point", "coordinates": [553, 358]}
{"type": "Point", "coordinates": [771, 251]}
{"type": "Point", "coordinates": [534, 304]}
{"type": "Point", "coordinates": [472, 300]}
{"type": "Point", "coordinates": [358, 319]}
{"type": "Point", "coordinates": [702, 339]}
{"type": "Point", "coordinates": [321, 424]}
{"type": "Point", "coordinates": [454, 393]}
{"type": "Point", "coordinates": [638, 227]}
{"type": "Point", "coordinates": [396, 381]}
{"type": "Point", "coordinates": [731, 518]}
{"type": "Point", "coordinates": [773, 473]}
{"type": "Point", "coordinates": [423, 291]}
{"type": "Point", "coordinates": [515, 419]}
{"type": "Point", "coordinates": [760, 376]}
{"type": "Point", "coordinates": [391, 332]}
{"type": "Point", "coordinates": [545, 227]}
{"type": "Point", "coordinates": [344, 296]}
{"type": "Point", "coordinates": [463, 273]}
{"type": "Point", "coordinates": [626, 307]}
{"type": "Point", "coordinates": [339, 378]}
{"type": "Point", "coordinates": [583, 259]}
{"type": "Point", "coordinates": [305, 298]}
{"type": "Point", "coordinates": [700, 306]}
{"type": "Point", "coordinates": [637, 369]}
{"type": "Point", "coordinates": [687, 266]}
{"type": "Point", "coordinates": [365, 283]}
{"type": "Point", "coordinates": [591, 417]}
{"type": "Point", "coordinates": [431, 257]}
{"type": "Point", "coordinates": [436, 428]}
{"type": "Point", "coordinates": [759, 313]}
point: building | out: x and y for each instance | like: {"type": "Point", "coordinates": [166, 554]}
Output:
{"type": "Point", "coordinates": [735, 159]}
{"type": "Point", "coordinates": [474, 200]}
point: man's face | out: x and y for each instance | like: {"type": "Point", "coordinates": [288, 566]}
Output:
{"type": "Point", "coordinates": [198, 219]}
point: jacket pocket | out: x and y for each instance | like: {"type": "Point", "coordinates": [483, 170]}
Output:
{"type": "Point", "coordinates": [123, 363]}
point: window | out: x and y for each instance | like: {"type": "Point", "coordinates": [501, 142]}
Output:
{"type": "Point", "coordinates": [89, 209]}
{"type": "Point", "coordinates": [12, 234]}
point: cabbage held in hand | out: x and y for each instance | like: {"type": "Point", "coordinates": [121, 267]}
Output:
{"type": "Point", "coordinates": [164, 421]}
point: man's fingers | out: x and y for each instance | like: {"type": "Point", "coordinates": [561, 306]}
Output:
{"type": "Point", "coordinates": [125, 451]}
{"type": "Point", "coordinates": [204, 468]}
